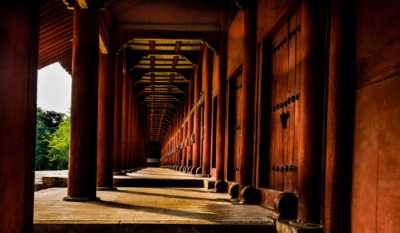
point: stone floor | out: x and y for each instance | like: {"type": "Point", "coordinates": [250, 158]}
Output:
{"type": "Point", "coordinates": [145, 209]}
{"type": "Point", "coordinates": [147, 205]}
{"type": "Point", "coordinates": [158, 177]}
{"type": "Point", "coordinates": [161, 173]}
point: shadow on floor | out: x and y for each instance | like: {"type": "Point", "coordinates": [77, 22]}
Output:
{"type": "Point", "coordinates": [171, 196]}
{"type": "Point", "coordinates": [171, 212]}
{"type": "Point", "coordinates": [152, 182]}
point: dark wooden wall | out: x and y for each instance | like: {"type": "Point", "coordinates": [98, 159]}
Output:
{"type": "Point", "coordinates": [348, 178]}
{"type": "Point", "coordinates": [376, 161]}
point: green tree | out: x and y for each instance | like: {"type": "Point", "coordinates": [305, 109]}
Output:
{"type": "Point", "coordinates": [59, 146]}
{"type": "Point", "coordinates": [47, 124]}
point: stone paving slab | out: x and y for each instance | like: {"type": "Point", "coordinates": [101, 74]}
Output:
{"type": "Point", "coordinates": [158, 177]}
{"type": "Point", "coordinates": [162, 173]}
{"type": "Point", "coordinates": [192, 206]}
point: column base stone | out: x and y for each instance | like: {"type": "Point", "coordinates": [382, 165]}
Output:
{"type": "Point", "coordinates": [250, 195]}
{"type": "Point", "coordinates": [221, 186]}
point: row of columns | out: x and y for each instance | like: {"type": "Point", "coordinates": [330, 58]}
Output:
{"type": "Point", "coordinates": [195, 119]}
{"type": "Point", "coordinates": [96, 113]}
{"type": "Point", "coordinates": [203, 86]}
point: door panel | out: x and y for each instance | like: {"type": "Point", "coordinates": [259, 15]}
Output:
{"type": "Point", "coordinates": [284, 99]}
{"type": "Point", "coordinates": [234, 125]}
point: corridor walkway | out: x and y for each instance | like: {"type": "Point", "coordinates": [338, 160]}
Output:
{"type": "Point", "coordinates": [145, 209]}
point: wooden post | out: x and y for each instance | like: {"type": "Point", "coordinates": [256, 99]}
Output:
{"type": "Point", "coordinates": [19, 25]}
{"type": "Point", "coordinates": [105, 122]}
{"type": "Point", "coordinates": [190, 124]}
{"type": "Point", "coordinates": [83, 148]}
{"type": "Point", "coordinates": [207, 81]}
{"type": "Point", "coordinates": [184, 149]}
{"type": "Point", "coordinates": [221, 99]}
{"type": "Point", "coordinates": [117, 113]}
{"type": "Point", "coordinates": [185, 128]}
{"type": "Point", "coordinates": [246, 157]}
{"type": "Point", "coordinates": [340, 116]}
{"type": "Point", "coordinates": [129, 124]}
{"type": "Point", "coordinates": [196, 120]}
{"type": "Point", "coordinates": [124, 114]}
{"type": "Point", "coordinates": [310, 111]}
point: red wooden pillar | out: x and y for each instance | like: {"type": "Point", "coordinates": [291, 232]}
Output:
{"type": "Point", "coordinates": [124, 114]}
{"type": "Point", "coordinates": [207, 82]}
{"type": "Point", "coordinates": [133, 129]}
{"type": "Point", "coordinates": [18, 63]}
{"type": "Point", "coordinates": [190, 124]}
{"type": "Point", "coordinates": [83, 148]}
{"type": "Point", "coordinates": [196, 119]}
{"type": "Point", "coordinates": [310, 112]}
{"type": "Point", "coordinates": [117, 113]}
{"type": "Point", "coordinates": [129, 124]}
{"type": "Point", "coordinates": [340, 116]}
{"type": "Point", "coordinates": [221, 99]}
{"type": "Point", "coordinates": [105, 122]}
{"type": "Point", "coordinates": [181, 135]}
{"type": "Point", "coordinates": [245, 160]}
{"type": "Point", "coordinates": [184, 134]}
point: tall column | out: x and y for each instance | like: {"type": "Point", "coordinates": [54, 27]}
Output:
{"type": "Point", "coordinates": [207, 82]}
{"type": "Point", "coordinates": [105, 122]}
{"type": "Point", "coordinates": [83, 148]}
{"type": "Point", "coordinates": [221, 99]}
{"type": "Point", "coordinates": [124, 114]}
{"type": "Point", "coordinates": [117, 113]}
{"type": "Point", "coordinates": [129, 124]}
{"type": "Point", "coordinates": [196, 119]}
{"type": "Point", "coordinates": [340, 116]}
{"type": "Point", "coordinates": [181, 163]}
{"type": "Point", "coordinates": [19, 25]}
{"type": "Point", "coordinates": [245, 160]}
{"type": "Point", "coordinates": [184, 135]}
{"type": "Point", "coordinates": [190, 125]}
{"type": "Point", "coordinates": [309, 179]}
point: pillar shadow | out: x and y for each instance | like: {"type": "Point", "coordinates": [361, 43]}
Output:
{"type": "Point", "coordinates": [171, 196]}
{"type": "Point", "coordinates": [171, 212]}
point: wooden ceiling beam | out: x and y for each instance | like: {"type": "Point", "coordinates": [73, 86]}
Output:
{"type": "Point", "coordinates": [142, 27]}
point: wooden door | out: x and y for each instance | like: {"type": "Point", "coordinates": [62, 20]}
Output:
{"type": "Point", "coordinates": [285, 95]}
{"type": "Point", "coordinates": [234, 125]}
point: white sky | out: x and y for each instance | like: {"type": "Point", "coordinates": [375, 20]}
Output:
{"type": "Point", "coordinates": [54, 89]}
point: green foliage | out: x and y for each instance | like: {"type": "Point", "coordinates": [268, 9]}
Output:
{"type": "Point", "coordinates": [59, 146]}
{"type": "Point", "coordinates": [48, 125]}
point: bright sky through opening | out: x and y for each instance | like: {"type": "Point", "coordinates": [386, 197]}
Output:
{"type": "Point", "coordinates": [54, 89]}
